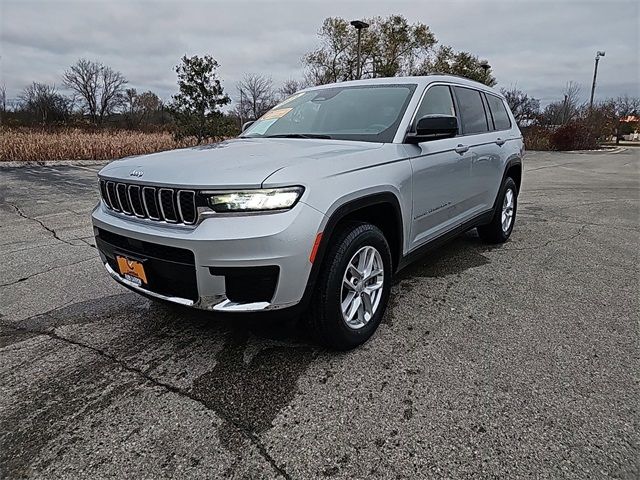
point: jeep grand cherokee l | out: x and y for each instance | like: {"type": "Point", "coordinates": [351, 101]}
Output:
{"type": "Point", "coordinates": [317, 203]}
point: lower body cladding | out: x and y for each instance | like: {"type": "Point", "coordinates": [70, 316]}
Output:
{"type": "Point", "coordinates": [227, 263]}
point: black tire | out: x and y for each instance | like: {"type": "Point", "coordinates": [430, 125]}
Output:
{"type": "Point", "coordinates": [325, 315]}
{"type": "Point", "coordinates": [493, 232]}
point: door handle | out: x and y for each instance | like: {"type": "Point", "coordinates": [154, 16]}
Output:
{"type": "Point", "coordinates": [500, 142]}
{"type": "Point", "coordinates": [462, 148]}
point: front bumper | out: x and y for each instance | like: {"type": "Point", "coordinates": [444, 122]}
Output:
{"type": "Point", "coordinates": [282, 241]}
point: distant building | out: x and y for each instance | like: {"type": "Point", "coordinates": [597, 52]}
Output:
{"type": "Point", "coordinates": [634, 123]}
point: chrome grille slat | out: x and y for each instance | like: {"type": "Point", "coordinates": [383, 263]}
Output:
{"type": "Point", "coordinates": [166, 199]}
{"type": "Point", "coordinates": [186, 200]}
{"type": "Point", "coordinates": [103, 193]}
{"type": "Point", "coordinates": [123, 198]}
{"type": "Point", "coordinates": [113, 197]}
{"type": "Point", "coordinates": [148, 196]}
{"type": "Point", "coordinates": [135, 200]}
{"type": "Point", "coordinates": [160, 204]}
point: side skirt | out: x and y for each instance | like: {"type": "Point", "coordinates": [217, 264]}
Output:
{"type": "Point", "coordinates": [481, 219]}
{"type": "Point", "coordinates": [412, 256]}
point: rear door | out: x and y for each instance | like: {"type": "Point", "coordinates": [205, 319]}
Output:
{"type": "Point", "coordinates": [479, 135]}
{"type": "Point", "coordinates": [440, 174]}
{"type": "Point", "coordinates": [490, 173]}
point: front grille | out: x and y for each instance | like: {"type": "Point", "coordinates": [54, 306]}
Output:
{"type": "Point", "coordinates": [155, 203]}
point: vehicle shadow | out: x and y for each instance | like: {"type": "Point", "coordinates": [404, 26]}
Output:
{"type": "Point", "coordinates": [456, 256]}
{"type": "Point", "coordinates": [246, 370]}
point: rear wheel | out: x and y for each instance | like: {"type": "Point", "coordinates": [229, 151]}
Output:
{"type": "Point", "coordinates": [353, 287]}
{"type": "Point", "coordinates": [501, 225]}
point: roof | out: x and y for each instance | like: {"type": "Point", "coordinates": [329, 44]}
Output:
{"type": "Point", "coordinates": [421, 81]}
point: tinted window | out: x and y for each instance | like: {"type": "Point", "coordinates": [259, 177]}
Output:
{"type": "Point", "coordinates": [471, 111]}
{"type": "Point", "coordinates": [500, 116]}
{"type": "Point", "coordinates": [437, 100]}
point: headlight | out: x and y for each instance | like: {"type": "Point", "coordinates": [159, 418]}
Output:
{"type": "Point", "coordinates": [255, 200]}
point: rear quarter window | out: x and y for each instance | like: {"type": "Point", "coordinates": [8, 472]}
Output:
{"type": "Point", "coordinates": [501, 118]}
{"type": "Point", "coordinates": [472, 114]}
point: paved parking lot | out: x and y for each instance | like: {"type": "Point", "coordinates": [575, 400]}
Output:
{"type": "Point", "coordinates": [516, 361]}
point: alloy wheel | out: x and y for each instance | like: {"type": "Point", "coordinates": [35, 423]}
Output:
{"type": "Point", "coordinates": [507, 210]}
{"type": "Point", "coordinates": [362, 284]}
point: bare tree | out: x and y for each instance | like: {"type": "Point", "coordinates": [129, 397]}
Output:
{"type": "Point", "coordinates": [566, 110]}
{"type": "Point", "coordinates": [571, 104]}
{"type": "Point", "coordinates": [525, 108]}
{"type": "Point", "coordinates": [3, 102]}
{"type": "Point", "coordinates": [150, 105]}
{"type": "Point", "coordinates": [289, 87]}
{"type": "Point", "coordinates": [138, 107]}
{"type": "Point", "coordinates": [99, 86]}
{"type": "Point", "coordinates": [44, 104]}
{"type": "Point", "coordinates": [131, 110]}
{"type": "Point", "coordinates": [626, 106]}
{"type": "Point", "coordinates": [257, 95]}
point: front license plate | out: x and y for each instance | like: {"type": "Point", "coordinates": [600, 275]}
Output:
{"type": "Point", "coordinates": [132, 270]}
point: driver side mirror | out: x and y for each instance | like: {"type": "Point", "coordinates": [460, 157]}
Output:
{"type": "Point", "coordinates": [433, 127]}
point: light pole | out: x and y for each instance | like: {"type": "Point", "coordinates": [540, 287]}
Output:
{"type": "Point", "coordinates": [485, 66]}
{"type": "Point", "coordinates": [359, 24]}
{"type": "Point", "coordinates": [595, 73]}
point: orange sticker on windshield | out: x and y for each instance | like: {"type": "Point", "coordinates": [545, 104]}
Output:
{"type": "Point", "coordinates": [274, 114]}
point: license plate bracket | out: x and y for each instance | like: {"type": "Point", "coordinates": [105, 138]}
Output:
{"type": "Point", "coordinates": [132, 270]}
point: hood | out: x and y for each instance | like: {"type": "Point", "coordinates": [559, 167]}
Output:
{"type": "Point", "coordinates": [237, 163]}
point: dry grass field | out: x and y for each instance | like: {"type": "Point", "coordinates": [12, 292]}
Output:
{"type": "Point", "coordinates": [75, 144]}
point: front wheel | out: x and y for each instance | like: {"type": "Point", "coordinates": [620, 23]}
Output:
{"type": "Point", "coordinates": [501, 225]}
{"type": "Point", "coordinates": [353, 287]}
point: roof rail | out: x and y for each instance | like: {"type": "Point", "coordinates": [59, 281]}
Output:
{"type": "Point", "coordinates": [454, 75]}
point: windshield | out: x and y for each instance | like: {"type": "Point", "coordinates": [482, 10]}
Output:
{"type": "Point", "coordinates": [369, 113]}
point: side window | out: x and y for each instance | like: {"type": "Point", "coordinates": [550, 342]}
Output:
{"type": "Point", "coordinates": [487, 111]}
{"type": "Point", "coordinates": [499, 112]}
{"type": "Point", "coordinates": [474, 119]}
{"type": "Point", "coordinates": [437, 100]}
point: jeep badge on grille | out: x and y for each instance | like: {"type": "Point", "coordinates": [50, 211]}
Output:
{"type": "Point", "coordinates": [136, 173]}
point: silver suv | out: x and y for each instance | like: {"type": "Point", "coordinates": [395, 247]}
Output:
{"type": "Point", "coordinates": [317, 204]}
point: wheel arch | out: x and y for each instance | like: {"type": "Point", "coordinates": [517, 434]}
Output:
{"type": "Point", "coordinates": [389, 219]}
{"type": "Point", "coordinates": [513, 166]}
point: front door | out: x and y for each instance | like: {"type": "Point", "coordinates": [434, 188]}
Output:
{"type": "Point", "coordinates": [441, 172]}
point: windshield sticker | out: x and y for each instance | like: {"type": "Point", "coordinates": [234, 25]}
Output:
{"type": "Point", "coordinates": [275, 114]}
{"type": "Point", "coordinates": [261, 126]}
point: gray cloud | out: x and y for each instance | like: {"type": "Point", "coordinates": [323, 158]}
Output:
{"type": "Point", "coordinates": [537, 45]}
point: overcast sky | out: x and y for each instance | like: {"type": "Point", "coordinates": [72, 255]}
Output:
{"type": "Point", "coordinates": [537, 45]}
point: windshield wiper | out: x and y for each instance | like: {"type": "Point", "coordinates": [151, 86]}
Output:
{"type": "Point", "coordinates": [298, 135]}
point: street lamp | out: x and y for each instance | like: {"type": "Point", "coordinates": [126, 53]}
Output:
{"type": "Point", "coordinates": [359, 25]}
{"type": "Point", "coordinates": [485, 66]}
{"type": "Point", "coordinates": [241, 108]}
{"type": "Point", "coordinates": [595, 73]}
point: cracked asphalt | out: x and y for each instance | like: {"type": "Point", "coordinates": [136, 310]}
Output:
{"type": "Point", "coordinates": [517, 361]}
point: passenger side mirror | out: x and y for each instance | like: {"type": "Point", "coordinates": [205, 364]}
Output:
{"type": "Point", "coordinates": [246, 125]}
{"type": "Point", "coordinates": [433, 127]}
